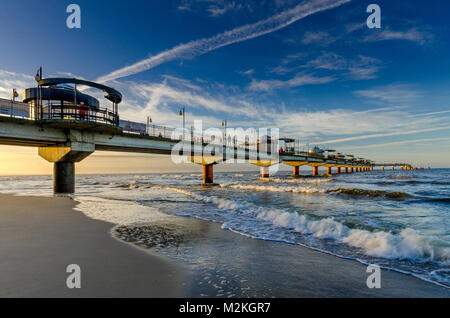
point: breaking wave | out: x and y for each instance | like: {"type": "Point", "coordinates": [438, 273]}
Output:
{"type": "Point", "coordinates": [406, 245]}
{"type": "Point", "coordinates": [371, 193]}
{"type": "Point", "coordinates": [314, 190]}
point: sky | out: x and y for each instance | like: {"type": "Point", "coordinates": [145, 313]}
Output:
{"type": "Point", "coordinates": [312, 68]}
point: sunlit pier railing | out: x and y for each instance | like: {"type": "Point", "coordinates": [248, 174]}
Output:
{"type": "Point", "coordinates": [189, 135]}
{"type": "Point", "coordinates": [14, 109]}
{"type": "Point", "coordinates": [67, 111]}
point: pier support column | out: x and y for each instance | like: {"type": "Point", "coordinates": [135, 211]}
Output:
{"type": "Point", "coordinates": [346, 169]}
{"type": "Point", "coordinates": [328, 170]}
{"type": "Point", "coordinates": [382, 168]}
{"type": "Point", "coordinates": [315, 171]}
{"type": "Point", "coordinates": [296, 171]}
{"type": "Point", "coordinates": [393, 168]}
{"type": "Point", "coordinates": [208, 174]}
{"type": "Point", "coordinates": [64, 177]}
{"type": "Point", "coordinates": [338, 170]}
{"type": "Point", "coordinates": [352, 170]}
{"type": "Point", "coordinates": [64, 158]}
{"type": "Point", "coordinates": [265, 172]}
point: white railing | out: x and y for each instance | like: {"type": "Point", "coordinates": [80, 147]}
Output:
{"type": "Point", "coordinates": [14, 109]}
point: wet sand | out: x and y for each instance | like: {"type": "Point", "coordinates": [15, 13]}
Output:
{"type": "Point", "coordinates": [41, 236]}
{"type": "Point", "coordinates": [226, 264]}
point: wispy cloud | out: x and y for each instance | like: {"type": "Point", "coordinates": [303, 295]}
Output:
{"type": "Point", "coordinates": [358, 68]}
{"type": "Point", "coordinates": [213, 8]}
{"type": "Point", "coordinates": [413, 35]}
{"type": "Point", "coordinates": [396, 143]}
{"type": "Point", "coordinates": [395, 93]}
{"type": "Point", "coordinates": [361, 67]}
{"type": "Point", "coordinates": [240, 34]}
{"type": "Point", "coordinates": [398, 133]}
{"type": "Point", "coordinates": [298, 80]}
{"type": "Point", "coordinates": [10, 80]}
{"type": "Point", "coordinates": [320, 37]}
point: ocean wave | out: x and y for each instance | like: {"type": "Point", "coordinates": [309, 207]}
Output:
{"type": "Point", "coordinates": [407, 245]}
{"type": "Point", "coordinates": [437, 200]}
{"type": "Point", "coordinates": [400, 176]}
{"type": "Point", "coordinates": [371, 193]}
{"type": "Point", "coordinates": [277, 189]}
{"type": "Point", "coordinates": [441, 182]}
{"type": "Point", "coordinates": [301, 180]}
{"type": "Point", "coordinates": [314, 190]}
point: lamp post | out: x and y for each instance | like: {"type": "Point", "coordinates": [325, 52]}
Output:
{"type": "Point", "coordinates": [15, 94]}
{"type": "Point", "coordinates": [38, 78]}
{"type": "Point", "coordinates": [224, 124]}
{"type": "Point", "coordinates": [183, 113]}
{"type": "Point", "coordinates": [149, 121]}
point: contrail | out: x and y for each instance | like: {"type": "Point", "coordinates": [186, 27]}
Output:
{"type": "Point", "coordinates": [240, 34]}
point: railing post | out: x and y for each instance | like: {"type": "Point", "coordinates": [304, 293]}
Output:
{"type": "Point", "coordinates": [11, 110]}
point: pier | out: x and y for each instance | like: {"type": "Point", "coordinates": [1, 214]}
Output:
{"type": "Point", "coordinates": [67, 126]}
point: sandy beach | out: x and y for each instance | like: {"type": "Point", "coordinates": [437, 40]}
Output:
{"type": "Point", "coordinates": [40, 236]}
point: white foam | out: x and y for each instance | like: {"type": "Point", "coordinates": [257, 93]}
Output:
{"type": "Point", "coordinates": [302, 180]}
{"type": "Point", "coordinates": [277, 188]}
{"type": "Point", "coordinates": [408, 244]}
{"type": "Point", "coordinates": [118, 212]}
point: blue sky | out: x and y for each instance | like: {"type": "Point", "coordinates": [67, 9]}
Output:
{"type": "Point", "coordinates": [312, 68]}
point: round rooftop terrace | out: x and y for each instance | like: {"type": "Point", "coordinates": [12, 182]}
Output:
{"type": "Point", "coordinates": [58, 104]}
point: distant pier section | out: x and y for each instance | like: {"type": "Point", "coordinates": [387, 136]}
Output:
{"type": "Point", "coordinates": [67, 125]}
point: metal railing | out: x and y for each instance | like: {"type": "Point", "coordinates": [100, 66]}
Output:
{"type": "Point", "coordinates": [75, 112]}
{"type": "Point", "coordinates": [65, 111]}
{"type": "Point", "coordinates": [14, 109]}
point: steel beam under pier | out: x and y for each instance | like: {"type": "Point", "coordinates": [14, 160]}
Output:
{"type": "Point", "coordinates": [208, 174]}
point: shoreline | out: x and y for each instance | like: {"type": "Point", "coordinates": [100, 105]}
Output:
{"type": "Point", "coordinates": [264, 268]}
{"type": "Point", "coordinates": [319, 274]}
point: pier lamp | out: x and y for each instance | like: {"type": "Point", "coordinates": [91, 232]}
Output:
{"type": "Point", "coordinates": [224, 124]}
{"type": "Point", "coordinates": [183, 113]}
{"type": "Point", "coordinates": [15, 94]}
{"type": "Point", "coordinates": [149, 121]}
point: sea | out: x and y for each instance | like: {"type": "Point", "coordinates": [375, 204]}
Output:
{"type": "Point", "coordinates": [399, 220]}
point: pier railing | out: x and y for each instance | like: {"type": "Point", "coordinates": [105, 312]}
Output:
{"type": "Point", "coordinates": [67, 111]}
{"type": "Point", "coordinates": [14, 109]}
{"type": "Point", "coordinates": [74, 112]}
